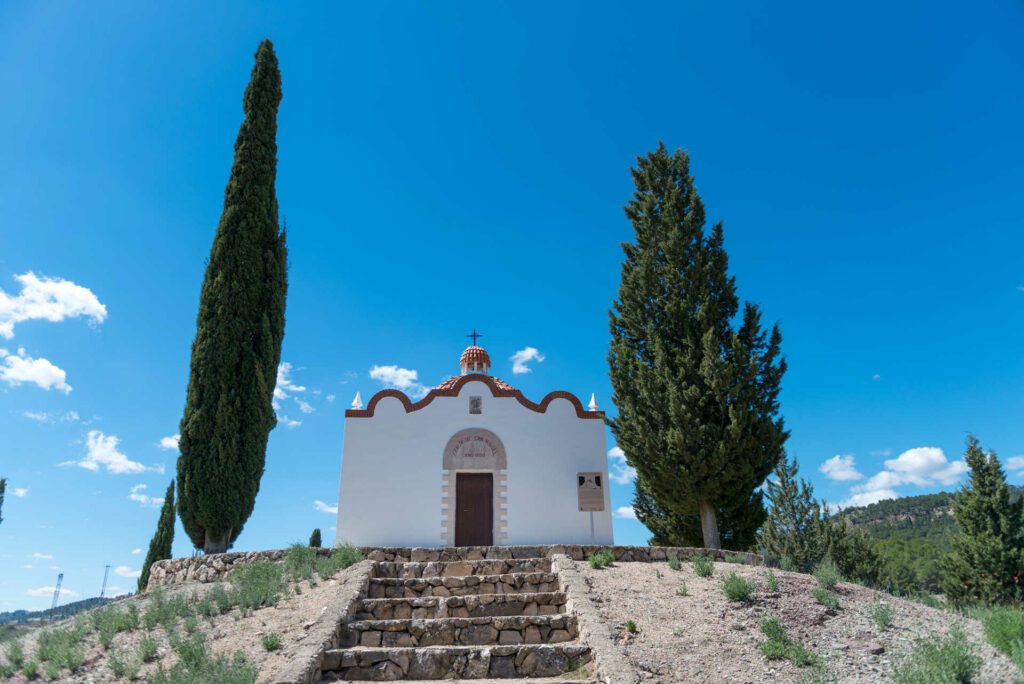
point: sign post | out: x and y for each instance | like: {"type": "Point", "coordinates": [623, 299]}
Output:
{"type": "Point", "coordinates": [590, 496]}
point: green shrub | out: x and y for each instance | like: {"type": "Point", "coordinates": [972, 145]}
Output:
{"type": "Point", "coordinates": [109, 621]}
{"type": "Point", "coordinates": [123, 665]}
{"type": "Point", "coordinates": [937, 659]}
{"type": "Point", "coordinates": [736, 588]}
{"type": "Point", "coordinates": [219, 595]}
{"type": "Point", "coordinates": [682, 588]}
{"type": "Point", "coordinates": [272, 641]}
{"type": "Point", "coordinates": [61, 648]}
{"type": "Point", "coordinates": [30, 669]}
{"type": "Point", "coordinates": [299, 561]}
{"type": "Point", "coordinates": [257, 585]}
{"type": "Point", "coordinates": [881, 613]}
{"type": "Point", "coordinates": [191, 624]}
{"type": "Point", "coordinates": [827, 574]}
{"type": "Point", "coordinates": [630, 626]}
{"type": "Point", "coordinates": [52, 670]}
{"type": "Point", "coordinates": [15, 655]}
{"type": "Point", "coordinates": [147, 649]}
{"type": "Point", "coordinates": [779, 646]}
{"type": "Point", "coordinates": [773, 581]}
{"type": "Point", "coordinates": [206, 608]}
{"type": "Point", "coordinates": [6, 671]}
{"type": "Point", "coordinates": [195, 664]}
{"type": "Point", "coordinates": [788, 564]}
{"type": "Point", "coordinates": [675, 563]}
{"type": "Point", "coordinates": [735, 558]}
{"type": "Point", "coordinates": [826, 598]}
{"type": "Point", "coordinates": [1004, 629]}
{"type": "Point", "coordinates": [342, 557]}
{"type": "Point", "coordinates": [602, 559]}
{"type": "Point", "coordinates": [703, 566]}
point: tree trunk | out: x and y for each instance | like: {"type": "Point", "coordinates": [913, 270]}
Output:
{"type": "Point", "coordinates": [709, 526]}
{"type": "Point", "coordinates": [218, 545]}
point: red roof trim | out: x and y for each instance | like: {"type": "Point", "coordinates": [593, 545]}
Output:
{"type": "Point", "coordinates": [496, 391]}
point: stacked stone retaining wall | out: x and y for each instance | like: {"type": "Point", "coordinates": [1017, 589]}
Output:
{"type": "Point", "coordinates": [215, 566]}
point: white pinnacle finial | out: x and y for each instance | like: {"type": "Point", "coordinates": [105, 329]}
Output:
{"type": "Point", "coordinates": [593, 403]}
{"type": "Point", "coordinates": [357, 403]}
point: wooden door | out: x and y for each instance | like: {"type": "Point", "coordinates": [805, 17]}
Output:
{"type": "Point", "coordinates": [474, 505]}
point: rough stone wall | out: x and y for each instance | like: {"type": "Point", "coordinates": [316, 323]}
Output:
{"type": "Point", "coordinates": [215, 566]}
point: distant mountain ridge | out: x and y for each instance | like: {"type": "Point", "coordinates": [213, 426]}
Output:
{"type": "Point", "coordinates": [912, 534]}
{"type": "Point", "coordinates": [21, 617]}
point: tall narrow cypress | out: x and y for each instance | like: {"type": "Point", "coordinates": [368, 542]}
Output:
{"type": "Point", "coordinates": [240, 326]}
{"type": "Point", "coordinates": [160, 544]}
{"type": "Point", "coordinates": [697, 398]}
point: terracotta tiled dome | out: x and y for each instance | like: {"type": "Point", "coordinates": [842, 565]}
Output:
{"type": "Point", "coordinates": [474, 355]}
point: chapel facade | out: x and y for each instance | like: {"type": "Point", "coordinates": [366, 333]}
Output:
{"type": "Point", "coordinates": [473, 463]}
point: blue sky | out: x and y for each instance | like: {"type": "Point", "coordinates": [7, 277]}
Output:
{"type": "Point", "coordinates": [444, 166]}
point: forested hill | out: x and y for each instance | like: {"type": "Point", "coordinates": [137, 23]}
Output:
{"type": "Point", "coordinates": [912, 534]}
{"type": "Point", "coordinates": [20, 617]}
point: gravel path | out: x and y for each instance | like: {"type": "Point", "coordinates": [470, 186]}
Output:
{"type": "Point", "coordinates": [704, 637]}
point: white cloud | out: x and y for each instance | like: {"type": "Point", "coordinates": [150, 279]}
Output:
{"type": "Point", "coordinates": [627, 512]}
{"type": "Point", "coordinates": [101, 450]}
{"type": "Point", "coordinates": [20, 368]}
{"type": "Point", "coordinates": [325, 508]}
{"type": "Point", "coordinates": [331, 398]}
{"type": "Point", "coordinates": [922, 465]}
{"type": "Point", "coordinates": [881, 452]}
{"type": "Point", "coordinates": [1015, 463]}
{"type": "Point", "coordinates": [125, 571]}
{"type": "Point", "coordinates": [288, 422]}
{"type": "Point", "coordinates": [304, 406]}
{"type": "Point", "coordinates": [136, 552]}
{"type": "Point", "coordinates": [865, 498]}
{"type": "Point", "coordinates": [144, 500]}
{"type": "Point", "coordinates": [621, 472]}
{"type": "Point", "coordinates": [169, 443]}
{"type": "Point", "coordinates": [400, 378]}
{"type": "Point", "coordinates": [42, 556]}
{"type": "Point", "coordinates": [27, 566]}
{"type": "Point", "coordinates": [42, 417]}
{"type": "Point", "coordinates": [46, 592]}
{"type": "Point", "coordinates": [840, 468]}
{"type": "Point", "coordinates": [71, 416]}
{"type": "Point", "coordinates": [876, 376]}
{"type": "Point", "coordinates": [19, 492]}
{"type": "Point", "coordinates": [51, 299]}
{"type": "Point", "coordinates": [524, 356]}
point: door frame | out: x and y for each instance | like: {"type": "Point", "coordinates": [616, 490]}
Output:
{"type": "Point", "coordinates": [474, 450]}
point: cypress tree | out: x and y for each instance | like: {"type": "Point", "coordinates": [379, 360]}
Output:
{"type": "Point", "coordinates": [240, 325]}
{"type": "Point", "coordinates": [314, 539]}
{"type": "Point", "coordinates": [160, 544]}
{"type": "Point", "coordinates": [737, 524]}
{"type": "Point", "coordinates": [697, 399]}
{"type": "Point", "coordinates": [3, 488]}
{"type": "Point", "coordinates": [987, 563]}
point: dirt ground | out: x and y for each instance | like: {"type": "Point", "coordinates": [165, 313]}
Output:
{"type": "Point", "coordinates": [705, 637]}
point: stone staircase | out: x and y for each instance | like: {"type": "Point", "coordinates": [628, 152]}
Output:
{"type": "Point", "coordinates": [461, 619]}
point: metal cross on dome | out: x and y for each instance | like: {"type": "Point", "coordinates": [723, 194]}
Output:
{"type": "Point", "coordinates": [475, 335]}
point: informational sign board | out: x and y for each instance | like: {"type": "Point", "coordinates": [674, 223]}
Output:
{"type": "Point", "coordinates": [590, 491]}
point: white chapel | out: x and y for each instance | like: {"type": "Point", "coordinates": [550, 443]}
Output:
{"type": "Point", "coordinates": [473, 463]}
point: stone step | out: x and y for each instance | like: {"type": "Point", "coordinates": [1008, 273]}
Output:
{"type": "Point", "coordinates": [480, 605]}
{"type": "Point", "coordinates": [568, 678]}
{"type": "Point", "coordinates": [461, 568]}
{"type": "Point", "coordinates": [512, 583]}
{"type": "Point", "coordinates": [461, 662]}
{"type": "Point", "coordinates": [479, 631]}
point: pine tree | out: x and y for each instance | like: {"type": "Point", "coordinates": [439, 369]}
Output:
{"type": "Point", "coordinates": [987, 563]}
{"type": "Point", "coordinates": [697, 399]}
{"type": "Point", "coordinates": [794, 531]}
{"type": "Point", "coordinates": [228, 412]}
{"type": "Point", "coordinates": [160, 544]}
{"type": "Point", "coordinates": [314, 539]}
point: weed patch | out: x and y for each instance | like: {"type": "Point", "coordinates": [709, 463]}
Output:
{"type": "Point", "coordinates": [1004, 629]}
{"type": "Point", "coordinates": [827, 574]}
{"type": "Point", "coordinates": [342, 557]}
{"type": "Point", "coordinates": [196, 664]}
{"type": "Point", "coordinates": [881, 614]}
{"type": "Point", "coordinates": [773, 581]}
{"type": "Point", "coordinates": [682, 589]}
{"type": "Point", "coordinates": [257, 585]}
{"type": "Point", "coordinates": [123, 665]}
{"type": "Point", "coordinates": [779, 646]}
{"type": "Point", "coordinates": [272, 641]}
{"type": "Point", "coordinates": [300, 561]}
{"type": "Point", "coordinates": [703, 566]}
{"type": "Point", "coordinates": [736, 588]}
{"type": "Point", "coordinates": [602, 559]}
{"type": "Point", "coordinates": [826, 598]}
{"type": "Point", "coordinates": [675, 563]}
{"type": "Point", "coordinates": [937, 659]}
{"type": "Point", "coordinates": [630, 626]}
